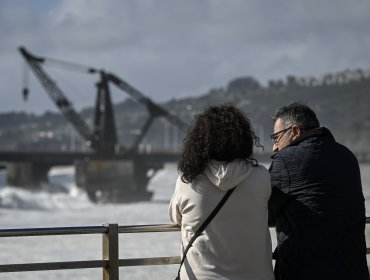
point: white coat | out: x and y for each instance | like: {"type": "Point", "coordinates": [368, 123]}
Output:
{"type": "Point", "coordinates": [237, 243]}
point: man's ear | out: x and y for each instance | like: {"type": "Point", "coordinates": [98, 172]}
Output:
{"type": "Point", "coordinates": [296, 130]}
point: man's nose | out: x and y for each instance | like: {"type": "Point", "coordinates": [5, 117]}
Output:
{"type": "Point", "coordinates": [275, 148]}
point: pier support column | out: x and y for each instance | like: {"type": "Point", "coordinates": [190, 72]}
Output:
{"type": "Point", "coordinates": [111, 180]}
{"type": "Point", "coordinates": [27, 174]}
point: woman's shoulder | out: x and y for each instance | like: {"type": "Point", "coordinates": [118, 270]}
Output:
{"type": "Point", "coordinates": [261, 175]}
{"type": "Point", "coordinates": [260, 169]}
{"type": "Point", "coordinates": [197, 183]}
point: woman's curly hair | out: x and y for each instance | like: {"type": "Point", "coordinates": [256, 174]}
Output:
{"type": "Point", "coordinates": [220, 133]}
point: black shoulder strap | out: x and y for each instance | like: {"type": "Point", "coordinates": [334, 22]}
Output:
{"type": "Point", "coordinates": [203, 226]}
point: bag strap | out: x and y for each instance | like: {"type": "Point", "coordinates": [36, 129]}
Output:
{"type": "Point", "coordinates": [203, 226]}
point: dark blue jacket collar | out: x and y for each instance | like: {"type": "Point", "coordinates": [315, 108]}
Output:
{"type": "Point", "coordinates": [315, 132]}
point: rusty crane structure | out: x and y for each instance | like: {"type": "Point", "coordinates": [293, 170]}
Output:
{"type": "Point", "coordinates": [110, 172]}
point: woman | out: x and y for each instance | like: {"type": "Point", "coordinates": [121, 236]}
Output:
{"type": "Point", "coordinates": [216, 157]}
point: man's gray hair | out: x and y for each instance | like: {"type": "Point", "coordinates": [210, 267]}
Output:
{"type": "Point", "coordinates": [297, 113]}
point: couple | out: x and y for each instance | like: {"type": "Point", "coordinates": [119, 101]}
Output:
{"type": "Point", "coordinates": [312, 195]}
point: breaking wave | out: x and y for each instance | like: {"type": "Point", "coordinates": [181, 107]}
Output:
{"type": "Point", "coordinates": [60, 193]}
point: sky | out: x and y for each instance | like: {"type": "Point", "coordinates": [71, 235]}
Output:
{"type": "Point", "coordinates": [171, 49]}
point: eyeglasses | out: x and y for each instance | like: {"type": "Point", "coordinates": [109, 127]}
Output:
{"type": "Point", "coordinates": [275, 138]}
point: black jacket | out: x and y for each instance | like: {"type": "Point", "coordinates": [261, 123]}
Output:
{"type": "Point", "coordinates": [317, 206]}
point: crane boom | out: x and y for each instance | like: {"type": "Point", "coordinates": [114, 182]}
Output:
{"type": "Point", "coordinates": [154, 109]}
{"type": "Point", "coordinates": [56, 94]}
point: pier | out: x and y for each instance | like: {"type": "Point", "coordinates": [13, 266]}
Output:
{"type": "Point", "coordinates": [123, 175]}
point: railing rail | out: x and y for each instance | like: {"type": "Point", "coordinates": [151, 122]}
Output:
{"type": "Point", "coordinates": [110, 261]}
{"type": "Point", "coordinates": [52, 231]}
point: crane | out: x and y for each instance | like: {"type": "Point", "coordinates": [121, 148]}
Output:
{"type": "Point", "coordinates": [120, 173]}
{"type": "Point", "coordinates": [103, 139]}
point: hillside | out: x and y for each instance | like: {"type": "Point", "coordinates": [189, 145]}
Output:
{"type": "Point", "coordinates": [340, 100]}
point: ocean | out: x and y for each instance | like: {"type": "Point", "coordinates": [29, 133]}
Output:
{"type": "Point", "coordinates": [62, 204]}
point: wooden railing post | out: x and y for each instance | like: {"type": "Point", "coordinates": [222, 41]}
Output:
{"type": "Point", "coordinates": [110, 252]}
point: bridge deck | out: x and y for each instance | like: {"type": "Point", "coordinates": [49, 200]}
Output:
{"type": "Point", "coordinates": [68, 158]}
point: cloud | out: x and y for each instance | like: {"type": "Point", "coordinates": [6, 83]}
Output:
{"type": "Point", "coordinates": [172, 48]}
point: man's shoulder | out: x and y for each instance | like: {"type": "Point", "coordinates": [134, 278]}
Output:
{"type": "Point", "coordinates": [285, 153]}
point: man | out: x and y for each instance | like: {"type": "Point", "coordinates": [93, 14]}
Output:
{"type": "Point", "coordinates": [317, 204]}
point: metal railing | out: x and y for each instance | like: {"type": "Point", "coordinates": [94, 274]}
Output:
{"type": "Point", "coordinates": [110, 262]}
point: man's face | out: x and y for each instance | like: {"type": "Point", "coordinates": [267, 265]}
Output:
{"type": "Point", "coordinates": [282, 136]}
